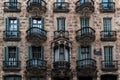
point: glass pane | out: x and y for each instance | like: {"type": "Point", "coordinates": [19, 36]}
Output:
{"type": "Point", "coordinates": [56, 52]}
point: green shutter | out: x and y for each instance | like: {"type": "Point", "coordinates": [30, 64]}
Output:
{"type": "Point", "coordinates": [30, 22]}
{"type": "Point", "coordinates": [79, 52]}
{"type": "Point", "coordinates": [42, 23]}
{"type": "Point", "coordinates": [63, 27]}
{"type": "Point", "coordinates": [42, 52]}
{"type": "Point", "coordinates": [90, 52]}
{"type": "Point", "coordinates": [7, 23]}
{"type": "Point", "coordinates": [30, 52]}
{"type": "Point", "coordinates": [18, 24]}
{"type": "Point", "coordinates": [6, 53]}
{"type": "Point", "coordinates": [17, 53]}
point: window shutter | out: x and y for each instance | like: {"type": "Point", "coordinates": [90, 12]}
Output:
{"type": "Point", "coordinates": [42, 23]}
{"type": "Point", "coordinates": [30, 52]}
{"type": "Point", "coordinates": [6, 53]}
{"type": "Point", "coordinates": [63, 24]}
{"type": "Point", "coordinates": [79, 52]}
{"type": "Point", "coordinates": [18, 24]}
{"type": "Point", "coordinates": [30, 22]}
{"type": "Point", "coordinates": [42, 52]}
{"type": "Point", "coordinates": [7, 23]}
{"type": "Point", "coordinates": [17, 53]}
{"type": "Point", "coordinates": [90, 52]}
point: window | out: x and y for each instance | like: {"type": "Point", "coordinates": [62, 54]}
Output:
{"type": "Point", "coordinates": [108, 53]}
{"type": "Point", "coordinates": [107, 24]}
{"type": "Point", "coordinates": [61, 53]}
{"type": "Point", "coordinates": [12, 27]}
{"type": "Point", "coordinates": [12, 77]}
{"type": "Point", "coordinates": [84, 22]}
{"type": "Point", "coordinates": [37, 22]}
{"type": "Point", "coordinates": [60, 24]}
{"type": "Point", "coordinates": [84, 52]}
{"type": "Point", "coordinates": [107, 27]}
{"type": "Point", "coordinates": [60, 0]}
{"type": "Point", "coordinates": [13, 4]}
{"type": "Point", "coordinates": [107, 4]}
{"type": "Point", "coordinates": [11, 56]}
{"type": "Point", "coordinates": [36, 25]}
{"type": "Point", "coordinates": [37, 78]}
{"type": "Point", "coordinates": [108, 56]}
{"type": "Point", "coordinates": [107, 0]}
{"type": "Point", "coordinates": [36, 52]}
{"type": "Point", "coordinates": [36, 55]}
{"type": "Point", "coordinates": [84, 55]}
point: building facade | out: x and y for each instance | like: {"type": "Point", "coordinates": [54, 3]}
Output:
{"type": "Point", "coordinates": [59, 39]}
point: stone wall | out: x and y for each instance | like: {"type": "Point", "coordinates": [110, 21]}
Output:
{"type": "Point", "coordinates": [72, 24]}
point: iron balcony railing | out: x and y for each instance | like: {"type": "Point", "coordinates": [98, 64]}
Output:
{"type": "Point", "coordinates": [107, 7]}
{"type": "Point", "coordinates": [61, 7]}
{"type": "Point", "coordinates": [61, 65]}
{"type": "Point", "coordinates": [36, 63]}
{"type": "Point", "coordinates": [86, 63]}
{"type": "Point", "coordinates": [108, 36]}
{"type": "Point", "coordinates": [36, 31]}
{"type": "Point", "coordinates": [85, 34]}
{"type": "Point", "coordinates": [109, 65]}
{"type": "Point", "coordinates": [37, 3]}
{"type": "Point", "coordinates": [11, 35]}
{"type": "Point", "coordinates": [12, 6]}
{"type": "Point", "coordinates": [80, 5]}
{"type": "Point", "coordinates": [61, 34]}
{"type": "Point", "coordinates": [10, 65]}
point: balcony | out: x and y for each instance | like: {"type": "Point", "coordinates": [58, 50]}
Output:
{"type": "Point", "coordinates": [12, 6]}
{"type": "Point", "coordinates": [61, 69]}
{"type": "Point", "coordinates": [85, 35]}
{"type": "Point", "coordinates": [83, 6]}
{"type": "Point", "coordinates": [109, 65]}
{"type": "Point", "coordinates": [36, 66]}
{"type": "Point", "coordinates": [36, 35]}
{"type": "Point", "coordinates": [11, 36]}
{"type": "Point", "coordinates": [61, 65]}
{"type": "Point", "coordinates": [107, 7]}
{"type": "Point", "coordinates": [86, 66]}
{"type": "Point", "coordinates": [61, 7]}
{"type": "Point", "coordinates": [36, 5]}
{"type": "Point", "coordinates": [108, 36]}
{"type": "Point", "coordinates": [11, 65]}
{"type": "Point", "coordinates": [61, 34]}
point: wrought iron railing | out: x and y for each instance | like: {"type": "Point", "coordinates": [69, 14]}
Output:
{"type": "Point", "coordinates": [12, 6]}
{"type": "Point", "coordinates": [108, 35]}
{"type": "Point", "coordinates": [61, 34]}
{"type": "Point", "coordinates": [86, 63]}
{"type": "Point", "coordinates": [11, 65]}
{"type": "Point", "coordinates": [107, 6]}
{"type": "Point", "coordinates": [109, 65]}
{"type": "Point", "coordinates": [31, 63]}
{"type": "Point", "coordinates": [11, 35]}
{"type": "Point", "coordinates": [39, 3]}
{"type": "Point", "coordinates": [80, 5]}
{"type": "Point", "coordinates": [36, 31]}
{"type": "Point", "coordinates": [61, 7]}
{"type": "Point", "coordinates": [61, 65]}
